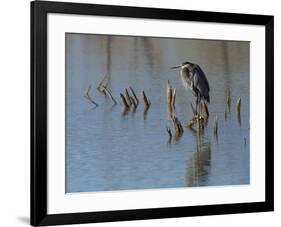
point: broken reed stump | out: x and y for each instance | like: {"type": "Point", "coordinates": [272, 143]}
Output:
{"type": "Point", "coordinates": [102, 88]}
{"type": "Point", "coordinates": [108, 93]}
{"type": "Point", "coordinates": [190, 124]}
{"type": "Point", "coordinates": [127, 96]}
{"type": "Point", "coordinates": [238, 108]}
{"type": "Point", "coordinates": [169, 93]}
{"type": "Point", "coordinates": [134, 95]}
{"type": "Point", "coordinates": [238, 105]}
{"type": "Point", "coordinates": [199, 119]}
{"type": "Point", "coordinates": [204, 112]}
{"type": "Point", "coordinates": [134, 104]}
{"type": "Point", "coordinates": [200, 123]}
{"type": "Point", "coordinates": [171, 98]}
{"type": "Point", "coordinates": [216, 126]}
{"type": "Point", "coordinates": [103, 83]}
{"type": "Point", "coordinates": [146, 101]}
{"type": "Point", "coordinates": [123, 100]}
{"type": "Point", "coordinates": [178, 127]}
{"type": "Point", "coordinates": [170, 134]}
{"type": "Point", "coordinates": [225, 114]}
{"type": "Point", "coordinates": [88, 96]}
{"type": "Point", "coordinates": [228, 100]}
{"type": "Point", "coordinates": [129, 100]}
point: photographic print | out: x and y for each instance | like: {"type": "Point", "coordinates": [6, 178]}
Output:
{"type": "Point", "coordinates": [155, 112]}
{"type": "Point", "coordinates": [147, 113]}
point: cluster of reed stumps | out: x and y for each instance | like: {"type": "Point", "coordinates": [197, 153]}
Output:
{"type": "Point", "coordinates": [130, 101]}
{"type": "Point", "coordinates": [199, 119]}
{"type": "Point", "coordinates": [128, 98]}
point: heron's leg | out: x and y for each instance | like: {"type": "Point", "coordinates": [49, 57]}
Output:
{"type": "Point", "coordinates": [199, 106]}
{"type": "Point", "coordinates": [197, 98]}
{"type": "Point", "coordinates": [199, 113]}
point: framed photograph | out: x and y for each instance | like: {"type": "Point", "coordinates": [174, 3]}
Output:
{"type": "Point", "coordinates": [144, 113]}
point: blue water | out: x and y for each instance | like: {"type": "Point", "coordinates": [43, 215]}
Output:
{"type": "Point", "coordinates": [109, 150]}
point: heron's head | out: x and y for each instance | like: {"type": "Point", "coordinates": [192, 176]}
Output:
{"type": "Point", "coordinates": [183, 65]}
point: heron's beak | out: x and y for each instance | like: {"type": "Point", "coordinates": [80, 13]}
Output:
{"type": "Point", "coordinates": [176, 67]}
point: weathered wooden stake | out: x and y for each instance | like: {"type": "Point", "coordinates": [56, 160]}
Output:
{"type": "Point", "coordinates": [123, 99]}
{"type": "Point", "coordinates": [238, 112]}
{"type": "Point", "coordinates": [134, 95]}
{"type": "Point", "coordinates": [169, 93]}
{"type": "Point", "coordinates": [134, 104]}
{"type": "Point", "coordinates": [238, 105]}
{"type": "Point", "coordinates": [108, 93]}
{"type": "Point", "coordinates": [170, 134]}
{"type": "Point", "coordinates": [228, 100]}
{"type": "Point", "coordinates": [204, 110]}
{"type": "Point", "coordinates": [127, 96]}
{"type": "Point", "coordinates": [173, 101]}
{"type": "Point", "coordinates": [178, 127]}
{"type": "Point", "coordinates": [88, 96]}
{"type": "Point", "coordinates": [216, 126]}
{"type": "Point", "coordinates": [102, 84]}
{"type": "Point", "coordinates": [146, 101]}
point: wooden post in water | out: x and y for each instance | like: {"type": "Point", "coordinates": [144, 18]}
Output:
{"type": "Point", "coordinates": [146, 101]}
{"type": "Point", "coordinates": [102, 84]}
{"type": "Point", "coordinates": [173, 100]}
{"type": "Point", "coordinates": [228, 100]}
{"type": "Point", "coordinates": [134, 104]}
{"type": "Point", "coordinates": [123, 99]}
{"type": "Point", "coordinates": [216, 126]}
{"type": "Point", "coordinates": [127, 96]}
{"type": "Point", "coordinates": [170, 134]}
{"type": "Point", "coordinates": [134, 95]}
{"type": "Point", "coordinates": [169, 99]}
{"type": "Point", "coordinates": [169, 93]}
{"type": "Point", "coordinates": [238, 105]}
{"type": "Point", "coordinates": [108, 93]}
{"type": "Point", "coordinates": [178, 127]}
{"type": "Point", "coordinates": [238, 108]}
{"type": "Point", "coordinates": [204, 112]}
{"type": "Point", "coordinates": [88, 96]}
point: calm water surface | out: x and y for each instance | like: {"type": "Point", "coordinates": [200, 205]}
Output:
{"type": "Point", "coordinates": [109, 150]}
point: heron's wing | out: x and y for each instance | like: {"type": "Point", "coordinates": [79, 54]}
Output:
{"type": "Point", "coordinates": [201, 82]}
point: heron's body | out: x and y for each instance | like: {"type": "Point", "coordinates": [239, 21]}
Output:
{"type": "Point", "coordinates": [194, 78]}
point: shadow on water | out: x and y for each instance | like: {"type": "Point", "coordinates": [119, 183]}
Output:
{"type": "Point", "coordinates": [199, 164]}
{"type": "Point", "coordinates": [238, 114]}
{"type": "Point", "coordinates": [149, 52]}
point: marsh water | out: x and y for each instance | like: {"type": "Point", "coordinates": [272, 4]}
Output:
{"type": "Point", "coordinates": [107, 149]}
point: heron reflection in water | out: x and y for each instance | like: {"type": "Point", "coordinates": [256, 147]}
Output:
{"type": "Point", "coordinates": [198, 165]}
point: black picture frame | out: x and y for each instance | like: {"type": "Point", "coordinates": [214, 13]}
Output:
{"type": "Point", "coordinates": [39, 11]}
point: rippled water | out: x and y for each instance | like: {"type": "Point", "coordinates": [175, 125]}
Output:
{"type": "Point", "coordinates": [109, 150]}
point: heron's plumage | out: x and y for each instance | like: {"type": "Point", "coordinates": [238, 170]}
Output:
{"type": "Point", "coordinates": [195, 79]}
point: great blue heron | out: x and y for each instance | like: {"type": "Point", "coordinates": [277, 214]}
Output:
{"type": "Point", "coordinates": [194, 78]}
